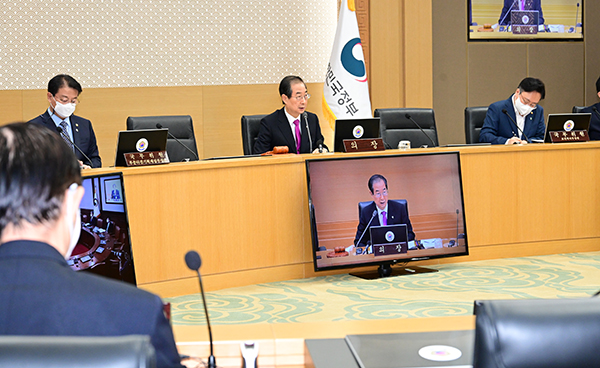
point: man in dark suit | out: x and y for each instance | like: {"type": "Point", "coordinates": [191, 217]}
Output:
{"type": "Point", "coordinates": [63, 93]}
{"type": "Point", "coordinates": [594, 131]}
{"type": "Point", "coordinates": [510, 5]}
{"type": "Point", "coordinates": [40, 187]}
{"type": "Point", "coordinates": [507, 120]}
{"type": "Point", "coordinates": [381, 211]}
{"type": "Point", "coordinates": [291, 126]}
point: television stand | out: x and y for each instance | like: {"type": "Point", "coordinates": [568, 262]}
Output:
{"type": "Point", "coordinates": [386, 270]}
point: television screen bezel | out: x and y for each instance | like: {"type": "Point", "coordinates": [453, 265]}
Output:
{"type": "Point", "coordinates": [313, 224]}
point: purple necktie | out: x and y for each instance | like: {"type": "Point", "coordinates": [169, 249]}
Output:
{"type": "Point", "coordinates": [298, 138]}
{"type": "Point", "coordinates": [384, 216]}
{"type": "Point", "coordinates": [522, 4]}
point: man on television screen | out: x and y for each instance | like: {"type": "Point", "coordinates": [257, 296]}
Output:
{"type": "Point", "coordinates": [381, 212]}
{"type": "Point", "coordinates": [510, 5]}
{"type": "Point", "coordinates": [292, 125]}
{"type": "Point", "coordinates": [518, 119]}
{"type": "Point", "coordinates": [40, 295]}
{"type": "Point", "coordinates": [594, 130]}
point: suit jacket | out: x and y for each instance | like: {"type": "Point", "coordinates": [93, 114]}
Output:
{"type": "Point", "coordinates": [594, 131]}
{"type": "Point", "coordinates": [83, 136]}
{"type": "Point", "coordinates": [529, 5]}
{"type": "Point", "coordinates": [41, 295]}
{"type": "Point", "coordinates": [397, 214]}
{"type": "Point", "coordinates": [275, 130]}
{"type": "Point", "coordinates": [498, 128]}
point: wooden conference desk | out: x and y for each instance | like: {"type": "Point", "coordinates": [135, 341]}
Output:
{"type": "Point", "coordinates": [248, 218]}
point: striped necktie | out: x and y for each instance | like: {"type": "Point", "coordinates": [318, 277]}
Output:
{"type": "Point", "coordinates": [64, 134]}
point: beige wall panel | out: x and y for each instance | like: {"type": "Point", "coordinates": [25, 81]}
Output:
{"type": "Point", "coordinates": [387, 54]}
{"type": "Point", "coordinates": [11, 105]}
{"type": "Point", "coordinates": [495, 70]}
{"type": "Point", "coordinates": [449, 69]}
{"type": "Point", "coordinates": [225, 105]}
{"type": "Point", "coordinates": [418, 53]}
{"type": "Point", "coordinates": [563, 76]}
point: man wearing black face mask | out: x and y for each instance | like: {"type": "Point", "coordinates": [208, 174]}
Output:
{"type": "Point", "coordinates": [63, 94]}
{"type": "Point", "coordinates": [507, 120]}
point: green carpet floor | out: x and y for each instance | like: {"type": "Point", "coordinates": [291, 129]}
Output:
{"type": "Point", "coordinates": [449, 292]}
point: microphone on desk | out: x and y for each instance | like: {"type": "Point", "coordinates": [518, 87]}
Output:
{"type": "Point", "coordinates": [505, 15]}
{"type": "Point", "coordinates": [305, 115]}
{"type": "Point", "coordinates": [192, 260]}
{"type": "Point", "coordinates": [64, 134]}
{"type": "Point", "coordinates": [366, 228]}
{"type": "Point", "coordinates": [320, 145]}
{"type": "Point", "coordinates": [514, 122]}
{"type": "Point", "coordinates": [407, 115]}
{"type": "Point", "coordinates": [159, 126]}
{"type": "Point", "coordinates": [596, 111]}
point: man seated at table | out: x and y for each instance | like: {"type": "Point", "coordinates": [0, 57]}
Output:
{"type": "Point", "coordinates": [594, 131]}
{"type": "Point", "coordinates": [518, 119]}
{"type": "Point", "coordinates": [387, 212]}
{"type": "Point", "coordinates": [510, 5]}
{"type": "Point", "coordinates": [291, 126]}
{"type": "Point", "coordinates": [40, 192]}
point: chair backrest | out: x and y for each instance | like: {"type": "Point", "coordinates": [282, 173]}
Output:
{"type": "Point", "coordinates": [474, 118]}
{"type": "Point", "coordinates": [557, 333]}
{"type": "Point", "coordinates": [363, 205]}
{"type": "Point", "coordinates": [132, 351]}
{"type": "Point", "coordinates": [250, 128]}
{"type": "Point", "coordinates": [578, 109]}
{"type": "Point", "coordinates": [180, 126]}
{"type": "Point", "coordinates": [395, 127]}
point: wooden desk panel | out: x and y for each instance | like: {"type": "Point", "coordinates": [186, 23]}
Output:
{"type": "Point", "coordinates": [248, 218]}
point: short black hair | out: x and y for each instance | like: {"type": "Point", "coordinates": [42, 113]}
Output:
{"type": "Point", "coordinates": [533, 85]}
{"type": "Point", "coordinates": [598, 85]}
{"type": "Point", "coordinates": [63, 80]}
{"type": "Point", "coordinates": [36, 167]}
{"type": "Point", "coordinates": [285, 86]}
{"type": "Point", "coordinates": [375, 178]}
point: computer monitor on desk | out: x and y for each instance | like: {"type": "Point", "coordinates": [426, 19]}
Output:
{"type": "Point", "coordinates": [142, 140]}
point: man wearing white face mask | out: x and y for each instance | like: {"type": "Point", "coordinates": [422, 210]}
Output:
{"type": "Point", "coordinates": [40, 191]}
{"type": "Point", "coordinates": [63, 97]}
{"type": "Point", "coordinates": [519, 119]}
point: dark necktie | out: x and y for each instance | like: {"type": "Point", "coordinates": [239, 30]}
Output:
{"type": "Point", "coordinates": [64, 134]}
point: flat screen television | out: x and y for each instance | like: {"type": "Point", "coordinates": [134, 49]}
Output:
{"type": "Point", "coordinates": [424, 188]}
{"type": "Point", "coordinates": [529, 20]}
{"type": "Point", "coordinates": [104, 246]}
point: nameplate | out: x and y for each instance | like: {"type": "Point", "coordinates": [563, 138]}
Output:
{"type": "Point", "coordinates": [387, 249]}
{"type": "Point", "coordinates": [566, 137]}
{"type": "Point", "coordinates": [146, 158]}
{"type": "Point", "coordinates": [363, 145]}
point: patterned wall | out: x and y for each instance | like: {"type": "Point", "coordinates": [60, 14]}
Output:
{"type": "Point", "coordinates": [146, 43]}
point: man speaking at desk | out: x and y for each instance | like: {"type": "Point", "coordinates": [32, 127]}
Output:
{"type": "Point", "coordinates": [381, 212]}
{"type": "Point", "coordinates": [518, 119]}
{"type": "Point", "coordinates": [291, 126]}
{"type": "Point", "coordinates": [510, 5]}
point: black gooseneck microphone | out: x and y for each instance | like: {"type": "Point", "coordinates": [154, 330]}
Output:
{"type": "Point", "coordinates": [305, 115]}
{"type": "Point", "coordinates": [366, 228]}
{"type": "Point", "coordinates": [64, 134]}
{"type": "Point", "coordinates": [514, 122]}
{"type": "Point", "coordinates": [320, 145]}
{"type": "Point", "coordinates": [159, 126]}
{"type": "Point", "coordinates": [192, 260]}
{"type": "Point", "coordinates": [407, 115]}
{"type": "Point", "coordinates": [596, 111]}
{"type": "Point", "coordinates": [507, 13]}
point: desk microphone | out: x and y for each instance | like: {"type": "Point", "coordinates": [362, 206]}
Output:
{"type": "Point", "coordinates": [192, 260]}
{"type": "Point", "coordinates": [513, 120]}
{"type": "Point", "coordinates": [159, 126]}
{"type": "Point", "coordinates": [320, 145]}
{"type": "Point", "coordinates": [507, 13]}
{"type": "Point", "coordinates": [366, 228]}
{"type": "Point", "coordinates": [596, 111]}
{"type": "Point", "coordinates": [305, 115]}
{"type": "Point", "coordinates": [407, 115]}
{"type": "Point", "coordinates": [64, 134]}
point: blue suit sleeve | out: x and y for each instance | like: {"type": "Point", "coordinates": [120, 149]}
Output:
{"type": "Point", "coordinates": [489, 131]}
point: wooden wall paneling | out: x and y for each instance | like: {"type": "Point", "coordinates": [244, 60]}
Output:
{"type": "Point", "coordinates": [11, 105]}
{"type": "Point", "coordinates": [364, 28]}
{"type": "Point", "coordinates": [418, 62]}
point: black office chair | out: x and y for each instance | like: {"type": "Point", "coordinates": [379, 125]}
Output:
{"type": "Point", "coordinates": [180, 126]}
{"type": "Point", "coordinates": [474, 117]}
{"type": "Point", "coordinates": [250, 128]}
{"type": "Point", "coordinates": [578, 109]}
{"type": "Point", "coordinates": [395, 127]}
{"type": "Point", "coordinates": [132, 351]}
{"type": "Point", "coordinates": [535, 333]}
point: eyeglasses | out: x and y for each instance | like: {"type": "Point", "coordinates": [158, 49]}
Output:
{"type": "Point", "coordinates": [65, 100]}
{"type": "Point", "coordinates": [379, 195]}
{"type": "Point", "coordinates": [300, 98]}
{"type": "Point", "coordinates": [527, 101]}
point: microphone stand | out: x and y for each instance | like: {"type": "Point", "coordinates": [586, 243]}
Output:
{"type": "Point", "coordinates": [159, 126]}
{"type": "Point", "coordinates": [418, 126]}
{"type": "Point", "coordinates": [64, 134]}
